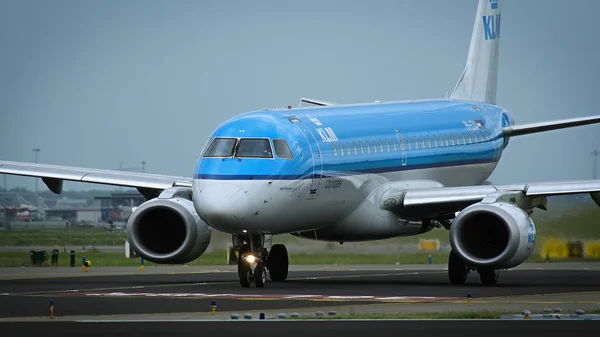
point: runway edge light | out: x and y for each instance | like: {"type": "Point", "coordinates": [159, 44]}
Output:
{"type": "Point", "coordinates": [51, 309]}
{"type": "Point", "coordinates": [469, 299]}
{"type": "Point", "coordinates": [213, 306]}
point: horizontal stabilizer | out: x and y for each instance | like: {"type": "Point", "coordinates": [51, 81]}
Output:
{"type": "Point", "coordinates": [519, 130]}
{"type": "Point", "coordinates": [316, 102]}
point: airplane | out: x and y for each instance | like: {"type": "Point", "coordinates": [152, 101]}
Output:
{"type": "Point", "coordinates": [348, 173]}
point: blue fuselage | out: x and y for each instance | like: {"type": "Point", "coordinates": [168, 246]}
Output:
{"type": "Point", "coordinates": [451, 142]}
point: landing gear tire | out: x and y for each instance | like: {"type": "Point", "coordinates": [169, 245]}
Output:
{"type": "Point", "coordinates": [457, 269]}
{"type": "Point", "coordinates": [489, 276]}
{"type": "Point", "coordinates": [260, 276]}
{"type": "Point", "coordinates": [245, 272]}
{"type": "Point", "coordinates": [278, 263]}
{"type": "Point", "coordinates": [240, 262]}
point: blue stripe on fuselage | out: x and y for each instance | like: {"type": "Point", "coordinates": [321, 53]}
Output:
{"type": "Point", "coordinates": [359, 123]}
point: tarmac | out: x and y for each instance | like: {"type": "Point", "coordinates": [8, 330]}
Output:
{"type": "Point", "coordinates": [186, 293]}
{"type": "Point", "coordinates": [307, 328]}
{"type": "Point", "coordinates": [176, 300]}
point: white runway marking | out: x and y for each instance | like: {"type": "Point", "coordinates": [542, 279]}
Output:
{"type": "Point", "coordinates": [272, 296]}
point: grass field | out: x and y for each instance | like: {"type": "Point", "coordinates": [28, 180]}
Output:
{"type": "Point", "coordinates": [576, 223]}
{"type": "Point", "coordinates": [572, 224]}
{"type": "Point", "coordinates": [113, 259]}
{"type": "Point", "coordinates": [104, 259]}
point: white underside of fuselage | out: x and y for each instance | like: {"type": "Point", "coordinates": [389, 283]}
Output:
{"type": "Point", "coordinates": [287, 206]}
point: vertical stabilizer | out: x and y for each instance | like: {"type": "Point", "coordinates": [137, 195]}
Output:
{"type": "Point", "coordinates": [479, 79]}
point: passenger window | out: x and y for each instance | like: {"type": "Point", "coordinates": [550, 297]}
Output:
{"type": "Point", "coordinates": [475, 140]}
{"type": "Point", "coordinates": [441, 140]}
{"type": "Point", "coordinates": [416, 143]}
{"type": "Point", "coordinates": [221, 147]}
{"type": "Point", "coordinates": [387, 144]}
{"type": "Point", "coordinates": [334, 149]}
{"type": "Point", "coordinates": [342, 149]}
{"type": "Point", "coordinates": [422, 142]}
{"type": "Point", "coordinates": [362, 149]}
{"type": "Point", "coordinates": [374, 146]}
{"type": "Point", "coordinates": [428, 142]}
{"type": "Point", "coordinates": [457, 139]}
{"type": "Point", "coordinates": [408, 143]}
{"type": "Point", "coordinates": [463, 138]}
{"type": "Point", "coordinates": [348, 148]}
{"type": "Point", "coordinates": [452, 139]}
{"type": "Point", "coordinates": [394, 142]}
{"type": "Point", "coordinates": [482, 136]}
{"type": "Point", "coordinates": [368, 146]}
{"type": "Point", "coordinates": [445, 139]}
{"type": "Point", "coordinates": [282, 150]}
{"type": "Point", "coordinates": [401, 144]}
{"type": "Point", "coordinates": [470, 139]}
{"type": "Point", "coordinates": [355, 149]}
{"type": "Point", "coordinates": [380, 145]}
{"type": "Point", "coordinates": [254, 148]}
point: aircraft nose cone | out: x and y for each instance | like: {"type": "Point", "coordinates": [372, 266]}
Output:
{"type": "Point", "coordinates": [221, 205]}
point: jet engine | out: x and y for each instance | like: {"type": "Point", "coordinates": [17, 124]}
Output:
{"type": "Point", "coordinates": [168, 231]}
{"type": "Point", "coordinates": [498, 235]}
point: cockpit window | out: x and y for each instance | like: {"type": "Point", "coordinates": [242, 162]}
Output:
{"type": "Point", "coordinates": [282, 150]}
{"type": "Point", "coordinates": [221, 147]}
{"type": "Point", "coordinates": [254, 148]}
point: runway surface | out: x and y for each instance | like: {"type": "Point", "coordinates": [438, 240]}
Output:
{"type": "Point", "coordinates": [188, 295]}
{"type": "Point", "coordinates": [311, 328]}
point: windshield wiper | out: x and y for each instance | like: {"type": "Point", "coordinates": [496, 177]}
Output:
{"type": "Point", "coordinates": [234, 151]}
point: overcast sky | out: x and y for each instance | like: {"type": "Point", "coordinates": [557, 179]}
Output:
{"type": "Point", "coordinates": [99, 83]}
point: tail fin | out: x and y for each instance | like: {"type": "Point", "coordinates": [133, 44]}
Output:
{"type": "Point", "coordinates": [479, 79]}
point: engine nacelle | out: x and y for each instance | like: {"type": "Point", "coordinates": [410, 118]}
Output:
{"type": "Point", "coordinates": [498, 235]}
{"type": "Point", "coordinates": [168, 231]}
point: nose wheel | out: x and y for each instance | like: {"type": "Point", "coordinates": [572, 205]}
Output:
{"type": "Point", "coordinates": [252, 269]}
{"type": "Point", "coordinates": [254, 260]}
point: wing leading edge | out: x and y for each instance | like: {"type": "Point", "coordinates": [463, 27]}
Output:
{"type": "Point", "coordinates": [53, 176]}
{"type": "Point", "coordinates": [525, 129]}
{"type": "Point", "coordinates": [444, 200]}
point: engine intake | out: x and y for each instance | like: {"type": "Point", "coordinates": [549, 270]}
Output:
{"type": "Point", "coordinates": [168, 231]}
{"type": "Point", "coordinates": [498, 235]}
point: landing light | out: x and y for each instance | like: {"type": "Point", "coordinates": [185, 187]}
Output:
{"type": "Point", "coordinates": [250, 258]}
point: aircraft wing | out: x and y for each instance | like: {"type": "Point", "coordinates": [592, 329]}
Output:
{"type": "Point", "coordinates": [519, 130]}
{"type": "Point", "coordinates": [54, 175]}
{"type": "Point", "coordinates": [446, 200]}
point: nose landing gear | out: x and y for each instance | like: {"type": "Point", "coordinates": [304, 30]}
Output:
{"type": "Point", "coordinates": [251, 269]}
{"type": "Point", "coordinates": [254, 260]}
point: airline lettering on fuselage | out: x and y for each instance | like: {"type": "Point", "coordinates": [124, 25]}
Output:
{"type": "Point", "coordinates": [491, 26]}
{"type": "Point", "coordinates": [327, 135]}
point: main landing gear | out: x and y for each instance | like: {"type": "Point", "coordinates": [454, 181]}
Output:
{"type": "Point", "coordinates": [458, 271]}
{"type": "Point", "coordinates": [255, 259]}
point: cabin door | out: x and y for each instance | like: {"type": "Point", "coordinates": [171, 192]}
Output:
{"type": "Point", "coordinates": [317, 159]}
{"type": "Point", "coordinates": [402, 147]}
